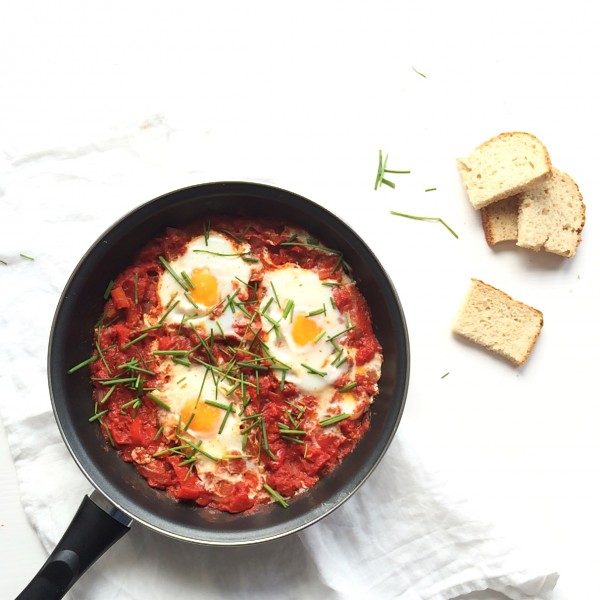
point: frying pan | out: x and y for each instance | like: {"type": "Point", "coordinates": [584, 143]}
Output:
{"type": "Point", "coordinates": [121, 495]}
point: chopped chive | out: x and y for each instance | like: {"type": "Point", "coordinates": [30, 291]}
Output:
{"type": "Point", "coordinates": [266, 306]}
{"type": "Point", "coordinates": [331, 338]}
{"type": "Point", "coordinates": [313, 371]}
{"type": "Point", "coordinates": [435, 219]}
{"type": "Point", "coordinates": [189, 421]}
{"type": "Point", "coordinates": [419, 73]}
{"type": "Point", "coordinates": [276, 495]}
{"type": "Point", "coordinates": [98, 415]}
{"type": "Point", "coordinates": [108, 394]}
{"type": "Point", "coordinates": [218, 404]}
{"type": "Point", "coordinates": [101, 355]}
{"type": "Point", "coordinates": [108, 434]}
{"type": "Point", "coordinates": [382, 169]}
{"type": "Point", "coordinates": [171, 352]}
{"type": "Point", "coordinates": [23, 255]}
{"type": "Point", "coordinates": [82, 364]}
{"type": "Point", "coordinates": [170, 269]}
{"type": "Point", "coordinates": [168, 311]}
{"type": "Point", "coordinates": [319, 336]}
{"type": "Point", "coordinates": [187, 279]}
{"type": "Point", "coordinates": [348, 387]}
{"type": "Point", "coordinates": [334, 419]}
{"type": "Point", "coordinates": [292, 431]}
{"type": "Point", "coordinates": [135, 287]}
{"type": "Point", "coordinates": [181, 361]}
{"type": "Point", "coordinates": [319, 311]}
{"type": "Point", "coordinates": [158, 401]}
{"type": "Point", "coordinates": [151, 327]}
{"type": "Point", "coordinates": [445, 375]}
{"type": "Point", "coordinates": [117, 380]}
{"type": "Point", "coordinates": [206, 232]}
{"type": "Point", "coordinates": [231, 235]}
{"type": "Point", "coordinates": [226, 254]}
{"type": "Point", "coordinates": [189, 298]}
{"type": "Point", "coordinates": [188, 461]}
{"type": "Point", "coordinates": [134, 341]}
{"type": "Point", "coordinates": [109, 287]}
{"type": "Point", "coordinates": [210, 456]}
{"type": "Point", "coordinates": [275, 294]}
{"type": "Point", "coordinates": [430, 189]}
{"type": "Point", "coordinates": [225, 417]}
{"type": "Point", "coordinates": [289, 307]}
{"type": "Point", "coordinates": [160, 430]}
{"type": "Point", "coordinates": [249, 259]}
{"type": "Point", "coordinates": [289, 438]}
{"type": "Point", "coordinates": [3, 262]}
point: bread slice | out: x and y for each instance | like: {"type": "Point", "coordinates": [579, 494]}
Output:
{"type": "Point", "coordinates": [551, 215]}
{"type": "Point", "coordinates": [494, 320]}
{"type": "Point", "coordinates": [500, 220]}
{"type": "Point", "coordinates": [503, 166]}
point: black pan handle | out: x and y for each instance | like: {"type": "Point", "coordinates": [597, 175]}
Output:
{"type": "Point", "coordinates": [96, 526]}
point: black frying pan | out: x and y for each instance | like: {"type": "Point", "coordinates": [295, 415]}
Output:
{"type": "Point", "coordinates": [121, 495]}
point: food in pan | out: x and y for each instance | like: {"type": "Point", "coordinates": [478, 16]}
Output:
{"type": "Point", "coordinates": [235, 363]}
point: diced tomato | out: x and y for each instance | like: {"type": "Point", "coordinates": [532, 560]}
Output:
{"type": "Point", "coordinates": [119, 297]}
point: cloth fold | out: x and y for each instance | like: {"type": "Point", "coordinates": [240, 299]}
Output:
{"type": "Point", "coordinates": [405, 534]}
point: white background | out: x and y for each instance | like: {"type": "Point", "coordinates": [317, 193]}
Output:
{"type": "Point", "coordinates": [303, 96]}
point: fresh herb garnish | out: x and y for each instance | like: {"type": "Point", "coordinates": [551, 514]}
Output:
{"type": "Point", "coordinates": [382, 170]}
{"type": "Point", "coordinates": [82, 364]}
{"type": "Point", "coordinates": [419, 73]}
{"type": "Point", "coordinates": [158, 401]}
{"type": "Point", "coordinates": [170, 269]}
{"type": "Point", "coordinates": [348, 386]}
{"type": "Point", "coordinates": [334, 419]}
{"type": "Point", "coordinates": [434, 219]}
{"type": "Point", "coordinates": [108, 289]}
{"type": "Point", "coordinates": [276, 495]}
{"type": "Point", "coordinates": [314, 371]}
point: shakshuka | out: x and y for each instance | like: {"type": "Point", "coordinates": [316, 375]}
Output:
{"type": "Point", "coordinates": [234, 363]}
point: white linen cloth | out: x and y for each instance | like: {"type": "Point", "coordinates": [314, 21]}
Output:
{"type": "Point", "coordinates": [405, 534]}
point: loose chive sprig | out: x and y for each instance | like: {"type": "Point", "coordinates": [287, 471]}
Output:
{"type": "Point", "coordinates": [382, 170]}
{"type": "Point", "coordinates": [433, 219]}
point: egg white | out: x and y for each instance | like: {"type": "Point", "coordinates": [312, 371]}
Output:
{"type": "Point", "coordinates": [224, 260]}
{"type": "Point", "coordinates": [183, 384]}
{"type": "Point", "coordinates": [309, 294]}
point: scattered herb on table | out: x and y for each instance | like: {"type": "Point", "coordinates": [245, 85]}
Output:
{"type": "Point", "coordinates": [382, 170]}
{"type": "Point", "coordinates": [434, 219]}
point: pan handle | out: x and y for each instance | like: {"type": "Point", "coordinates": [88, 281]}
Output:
{"type": "Point", "coordinates": [96, 526]}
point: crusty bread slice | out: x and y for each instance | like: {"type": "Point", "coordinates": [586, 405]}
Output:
{"type": "Point", "coordinates": [551, 215]}
{"type": "Point", "coordinates": [500, 220]}
{"type": "Point", "coordinates": [494, 320]}
{"type": "Point", "coordinates": [503, 166]}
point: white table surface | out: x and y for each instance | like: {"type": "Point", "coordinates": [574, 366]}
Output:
{"type": "Point", "coordinates": [313, 92]}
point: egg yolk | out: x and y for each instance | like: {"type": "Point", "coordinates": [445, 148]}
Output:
{"type": "Point", "coordinates": [304, 330]}
{"type": "Point", "coordinates": [204, 417]}
{"type": "Point", "coordinates": [205, 287]}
